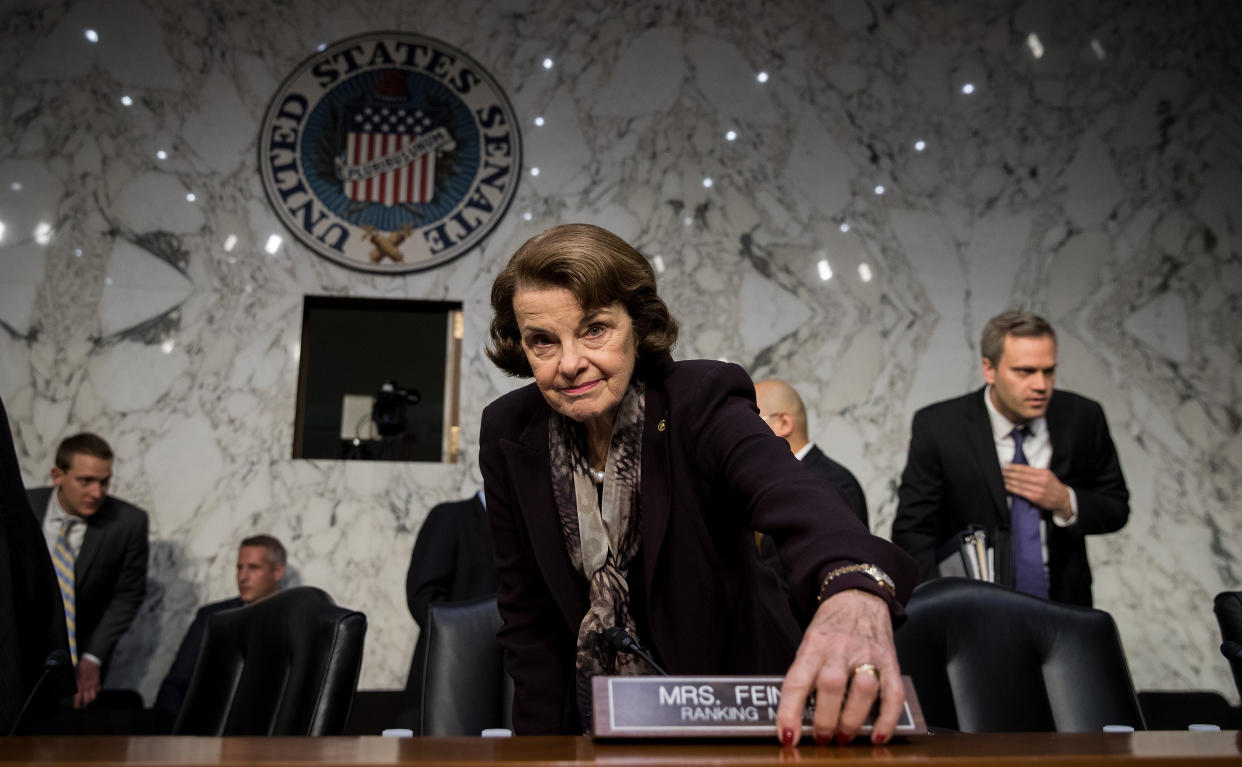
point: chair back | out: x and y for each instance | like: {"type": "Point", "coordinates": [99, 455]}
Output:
{"type": "Point", "coordinates": [985, 658]}
{"type": "Point", "coordinates": [1228, 607]}
{"type": "Point", "coordinates": [286, 665]}
{"type": "Point", "coordinates": [465, 687]}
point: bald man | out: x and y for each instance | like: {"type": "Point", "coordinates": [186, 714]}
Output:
{"type": "Point", "coordinates": [782, 409]}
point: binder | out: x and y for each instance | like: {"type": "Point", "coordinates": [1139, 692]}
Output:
{"type": "Point", "coordinates": [968, 554]}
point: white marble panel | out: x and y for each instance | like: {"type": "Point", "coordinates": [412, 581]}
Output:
{"type": "Point", "coordinates": [138, 287]}
{"type": "Point", "coordinates": [156, 201]}
{"type": "Point", "coordinates": [646, 77]}
{"type": "Point", "coordinates": [23, 266]}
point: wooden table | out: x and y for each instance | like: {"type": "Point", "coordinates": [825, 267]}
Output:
{"type": "Point", "coordinates": [1145, 748]}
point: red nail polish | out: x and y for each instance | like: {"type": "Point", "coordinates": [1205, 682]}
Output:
{"type": "Point", "coordinates": [842, 739]}
{"type": "Point", "coordinates": [880, 739]}
{"type": "Point", "coordinates": [787, 737]}
{"type": "Point", "coordinates": [821, 740]}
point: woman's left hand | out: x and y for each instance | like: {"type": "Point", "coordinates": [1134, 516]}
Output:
{"type": "Point", "coordinates": [846, 658]}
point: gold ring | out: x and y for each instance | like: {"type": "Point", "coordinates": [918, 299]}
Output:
{"type": "Point", "coordinates": [869, 668]}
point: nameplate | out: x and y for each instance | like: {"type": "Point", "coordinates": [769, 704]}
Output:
{"type": "Point", "coordinates": [708, 707]}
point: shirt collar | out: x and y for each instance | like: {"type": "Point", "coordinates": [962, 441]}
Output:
{"type": "Point", "coordinates": [805, 449]}
{"type": "Point", "coordinates": [57, 513]}
{"type": "Point", "coordinates": [1002, 427]}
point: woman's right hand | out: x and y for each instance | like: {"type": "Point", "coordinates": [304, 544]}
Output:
{"type": "Point", "coordinates": [847, 658]}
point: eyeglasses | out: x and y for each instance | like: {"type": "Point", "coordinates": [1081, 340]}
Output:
{"type": "Point", "coordinates": [769, 415]}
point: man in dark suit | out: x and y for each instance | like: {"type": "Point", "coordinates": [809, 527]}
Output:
{"type": "Point", "coordinates": [452, 562]}
{"type": "Point", "coordinates": [1034, 468]}
{"type": "Point", "coordinates": [785, 414]}
{"type": "Point", "coordinates": [260, 567]}
{"type": "Point", "coordinates": [99, 549]}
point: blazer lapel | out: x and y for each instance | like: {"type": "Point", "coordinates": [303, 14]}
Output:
{"type": "Point", "coordinates": [1061, 435]}
{"type": "Point", "coordinates": [983, 448]}
{"type": "Point", "coordinates": [527, 461]}
{"type": "Point", "coordinates": [96, 531]}
{"type": "Point", "coordinates": [38, 499]}
{"type": "Point", "coordinates": [655, 491]}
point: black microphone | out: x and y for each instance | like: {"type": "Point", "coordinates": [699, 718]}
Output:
{"type": "Point", "coordinates": [1231, 650]}
{"type": "Point", "coordinates": [55, 661]}
{"type": "Point", "coordinates": [620, 641]}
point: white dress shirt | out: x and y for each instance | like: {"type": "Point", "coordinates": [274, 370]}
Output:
{"type": "Point", "coordinates": [1037, 447]}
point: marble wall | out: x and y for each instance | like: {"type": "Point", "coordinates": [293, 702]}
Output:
{"type": "Point", "coordinates": [900, 173]}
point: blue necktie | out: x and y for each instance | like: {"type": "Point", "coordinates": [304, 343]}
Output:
{"type": "Point", "coordinates": [1028, 555]}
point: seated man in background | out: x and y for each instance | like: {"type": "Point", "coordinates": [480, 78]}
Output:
{"type": "Point", "coordinates": [260, 568]}
{"type": "Point", "coordinates": [783, 410]}
{"type": "Point", "coordinates": [452, 562]}
{"type": "Point", "coordinates": [785, 414]}
{"type": "Point", "coordinates": [99, 550]}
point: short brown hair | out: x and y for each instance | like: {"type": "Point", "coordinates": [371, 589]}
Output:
{"type": "Point", "coordinates": [1012, 323]}
{"type": "Point", "coordinates": [275, 550]}
{"type": "Point", "coordinates": [600, 269]}
{"type": "Point", "coordinates": [85, 443]}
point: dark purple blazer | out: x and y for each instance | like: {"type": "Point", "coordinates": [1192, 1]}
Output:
{"type": "Point", "coordinates": [712, 473]}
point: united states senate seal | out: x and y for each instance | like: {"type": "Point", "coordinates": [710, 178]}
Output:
{"type": "Point", "coordinates": [390, 152]}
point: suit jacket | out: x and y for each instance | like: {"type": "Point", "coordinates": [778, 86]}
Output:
{"type": "Point", "coordinates": [452, 562]}
{"type": "Point", "coordinates": [952, 480]}
{"type": "Point", "coordinates": [110, 572]}
{"type": "Point", "coordinates": [32, 620]}
{"type": "Point", "coordinates": [712, 471]}
{"type": "Point", "coordinates": [841, 478]}
{"type": "Point", "coordinates": [172, 690]}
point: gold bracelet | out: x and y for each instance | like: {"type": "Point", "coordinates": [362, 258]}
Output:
{"type": "Point", "coordinates": [881, 578]}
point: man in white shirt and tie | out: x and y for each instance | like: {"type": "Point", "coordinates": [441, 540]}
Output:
{"type": "Point", "coordinates": [1033, 466]}
{"type": "Point", "coordinates": [99, 550]}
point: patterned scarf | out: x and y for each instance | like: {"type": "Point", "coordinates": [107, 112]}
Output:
{"type": "Point", "coordinates": [601, 538]}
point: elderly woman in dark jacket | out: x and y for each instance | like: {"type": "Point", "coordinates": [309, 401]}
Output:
{"type": "Point", "coordinates": [623, 489]}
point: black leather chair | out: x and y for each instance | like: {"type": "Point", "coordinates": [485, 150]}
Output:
{"type": "Point", "coordinates": [465, 687]}
{"type": "Point", "coordinates": [1228, 607]}
{"type": "Point", "coordinates": [287, 665]}
{"type": "Point", "coordinates": [985, 658]}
